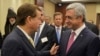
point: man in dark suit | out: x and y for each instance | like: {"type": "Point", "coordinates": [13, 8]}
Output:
{"type": "Point", "coordinates": [19, 42]}
{"type": "Point", "coordinates": [46, 38]}
{"type": "Point", "coordinates": [48, 20]}
{"type": "Point", "coordinates": [46, 35]}
{"type": "Point", "coordinates": [58, 20]}
{"type": "Point", "coordinates": [79, 40]}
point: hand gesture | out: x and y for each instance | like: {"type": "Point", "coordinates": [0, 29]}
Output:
{"type": "Point", "coordinates": [54, 49]}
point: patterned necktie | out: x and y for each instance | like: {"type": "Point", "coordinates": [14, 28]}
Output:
{"type": "Point", "coordinates": [31, 41]}
{"type": "Point", "coordinates": [58, 33]}
{"type": "Point", "coordinates": [36, 38]}
{"type": "Point", "coordinates": [71, 40]}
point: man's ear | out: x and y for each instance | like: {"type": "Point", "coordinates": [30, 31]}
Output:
{"type": "Point", "coordinates": [28, 19]}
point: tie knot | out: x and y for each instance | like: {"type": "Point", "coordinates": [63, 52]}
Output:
{"type": "Point", "coordinates": [73, 33]}
{"type": "Point", "coordinates": [38, 29]}
{"type": "Point", "coordinates": [58, 28]}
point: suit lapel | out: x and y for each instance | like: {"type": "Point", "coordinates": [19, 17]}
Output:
{"type": "Point", "coordinates": [56, 35]}
{"type": "Point", "coordinates": [24, 38]}
{"type": "Point", "coordinates": [42, 34]}
{"type": "Point", "coordinates": [77, 42]}
{"type": "Point", "coordinates": [62, 30]}
{"type": "Point", "coordinates": [65, 37]}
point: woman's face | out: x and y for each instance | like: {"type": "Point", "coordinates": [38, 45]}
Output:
{"type": "Point", "coordinates": [12, 21]}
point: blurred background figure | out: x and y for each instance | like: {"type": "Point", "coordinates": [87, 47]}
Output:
{"type": "Point", "coordinates": [44, 38]}
{"type": "Point", "coordinates": [92, 27]}
{"type": "Point", "coordinates": [0, 40]}
{"type": "Point", "coordinates": [10, 21]}
{"type": "Point", "coordinates": [99, 30]}
{"type": "Point", "coordinates": [47, 20]}
{"type": "Point", "coordinates": [58, 20]}
{"type": "Point", "coordinates": [91, 21]}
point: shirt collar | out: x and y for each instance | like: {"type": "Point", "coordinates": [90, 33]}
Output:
{"type": "Point", "coordinates": [24, 32]}
{"type": "Point", "coordinates": [58, 27]}
{"type": "Point", "coordinates": [42, 25]}
{"type": "Point", "coordinates": [78, 31]}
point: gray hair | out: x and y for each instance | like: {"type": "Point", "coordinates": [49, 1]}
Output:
{"type": "Point", "coordinates": [79, 9]}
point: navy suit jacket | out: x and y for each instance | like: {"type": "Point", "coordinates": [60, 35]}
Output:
{"type": "Point", "coordinates": [86, 44]}
{"type": "Point", "coordinates": [47, 32]}
{"type": "Point", "coordinates": [17, 44]}
{"type": "Point", "coordinates": [62, 30]}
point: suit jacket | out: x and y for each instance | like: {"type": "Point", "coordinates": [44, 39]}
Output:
{"type": "Point", "coordinates": [92, 27]}
{"type": "Point", "coordinates": [86, 44]}
{"type": "Point", "coordinates": [17, 44]}
{"type": "Point", "coordinates": [48, 33]}
{"type": "Point", "coordinates": [62, 30]}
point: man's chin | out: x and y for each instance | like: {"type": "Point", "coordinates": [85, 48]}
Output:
{"type": "Point", "coordinates": [69, 26]}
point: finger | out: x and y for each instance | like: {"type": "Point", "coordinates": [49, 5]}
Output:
{"type": "Point", "coordinates": [56, 47]}
{"type": "Point", "coordinates": [54, 44]}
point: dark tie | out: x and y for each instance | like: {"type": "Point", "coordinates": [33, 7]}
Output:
{"type": "Point", "coordinates": [58, 33]}
{"type": "Point", "coordinates": [36, 38]}
{"type": "Point", "coordinates": [70, 42]}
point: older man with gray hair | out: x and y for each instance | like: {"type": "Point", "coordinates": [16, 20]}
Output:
{"type": "Point", "coordinates": [79, 41]}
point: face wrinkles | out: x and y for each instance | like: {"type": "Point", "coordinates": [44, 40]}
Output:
{"type": "Point", "coordinates": [71, 19]}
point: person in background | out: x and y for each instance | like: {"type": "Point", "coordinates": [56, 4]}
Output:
{"type": "Point", "coordinates": [79, 40]}
{"type": "Point", "coordinates": [0, 35]}
{"type": "Point", "coordinates": [99, 30]}
{"type": "Point", "coordinates": [92, 27]}
{"type": "Point", "coordinates": [44, 37]}
{"type": "Point", "coordinates": [48, 20]}
{"type": "Point", "coordinates": [10, 22]}
{"type": "Point", "coordinates": [0, 40]}
{"type": "Point", "coordinates": [19, 42]}
{"type": "Point", "coordinates": [58, 20]}
{"type": "Point", "coordinates": [91, 21]}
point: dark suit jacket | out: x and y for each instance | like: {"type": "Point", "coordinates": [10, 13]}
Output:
{"type": "Point", "coordinates": [17, 44]}
{"type": "Point", "coordinates": [62, 30]}
{"type": "Point", "coordinates": [92, 27]}
{"type": "Point", "coordinates": [86, 44]}
{"type": "Point", "coordinates": [47, 32]}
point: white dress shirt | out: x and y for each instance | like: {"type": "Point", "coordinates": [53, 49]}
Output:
{"type": "Point", "coordinates": [78, 31]}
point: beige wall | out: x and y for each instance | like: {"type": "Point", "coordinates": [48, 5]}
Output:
{"type": "Point", "coordinates": [91, 12]}
{"type": "Point", "coordinates": [98, 8]}
{"type": "Point", "coordinates": [49, 8]}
